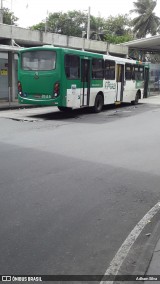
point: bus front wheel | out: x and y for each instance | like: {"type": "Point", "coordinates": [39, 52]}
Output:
{"type": "Point", "coordinates": [98, 105]}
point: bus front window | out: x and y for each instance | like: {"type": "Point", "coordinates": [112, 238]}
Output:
{"type": "Point", "coordinates": [43, 60]}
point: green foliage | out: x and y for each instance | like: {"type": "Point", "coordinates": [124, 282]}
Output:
{"type": "Point", "coordinates": [118, 39]}
{"type": "Point", "coordinates": [73, 23]}
{"type": "Point", "coordinates": [146, 22]}
{"type": "Point", "coordinates": [8, 17]}
{"type": "Point", "coordinates": [118, 29]}
{"type": "Point", "coordinates": [39, 27]}
{"type": "Point", "coordinates": [119, 25]}
{"type": "Point", "coordinates": [97, 24]}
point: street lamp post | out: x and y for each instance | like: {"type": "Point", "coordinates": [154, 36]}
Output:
{"type": "Point", "coordinates": [83, 38]}
{"type": "Point", "coordinates": [46, 22]}
{"type": "Point", "coordinates": [11, 10]}
{"type": "Point", "coordinates": [11, 23]}
{"type": "Point", "coordinates": [1, 12]}
{"type": "Point", "coordinates": [88, 23]}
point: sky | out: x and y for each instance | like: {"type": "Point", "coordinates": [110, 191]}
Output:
{"type": "Point", "coordinates": [31, 12]}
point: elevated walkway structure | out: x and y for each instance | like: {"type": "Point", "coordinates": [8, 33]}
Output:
{"type": "Point", "coordinates": [26, 37]}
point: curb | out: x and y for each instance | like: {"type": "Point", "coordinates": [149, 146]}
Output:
{"type": "Point", "coordinates": [144, 261]}
{"type": "Point", "coordinates": [139, 259]}
{"type": "Point", "coordinates": [17, 106]}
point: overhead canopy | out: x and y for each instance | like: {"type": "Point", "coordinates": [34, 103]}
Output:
{"type": "Point", "coordinates": [151, 44]}
{"type": "Point", "coordinates": [9, 48]}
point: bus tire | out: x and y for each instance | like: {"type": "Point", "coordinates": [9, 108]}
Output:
{"type": "Point", "coordinates": [65, 109]}
{"type": "Point", "coordinates": [135, 102]}
{"type": "Point", "coordinates": [99, 102]}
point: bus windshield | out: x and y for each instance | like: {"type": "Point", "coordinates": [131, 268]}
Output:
{"type": "Point", "coordinates": [39, 60]}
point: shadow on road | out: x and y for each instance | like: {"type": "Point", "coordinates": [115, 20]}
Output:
{"type": "Point", "coordinates": [109, 111]}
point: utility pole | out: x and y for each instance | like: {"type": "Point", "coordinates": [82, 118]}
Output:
{"type": "Point", "coordinates": [88, 23]}
{"type": "Point", "coordinates": [46, 22]}
{"type": "Point", "coordinates": [11, 10]}
{"type": "Point", "coordinates": [11, 23]}
{"type": "Point", "coordinates": [1, 12]}
{"type": "Point", "coordinates": [83, 39]}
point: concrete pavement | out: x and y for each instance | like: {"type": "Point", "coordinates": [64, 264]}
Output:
{"type": "Point", "coordinates": [11, 105]}
{"type": "Point", "coordinates": [151, 100]}
{"type": "Point", "coordinates": [154, 266]}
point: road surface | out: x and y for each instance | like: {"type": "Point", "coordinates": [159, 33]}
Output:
{"type": "Point", "coordinates": [73, 187]}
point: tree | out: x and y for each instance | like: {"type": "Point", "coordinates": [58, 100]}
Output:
{"type": "Point", "coordinates": [73, 23]}
{"type": "Point", "coordinates": [118, 29]}
{"type": "Point", "coordinates": [39, 27]}
{"type": "Point", "coordinates": [146, 22]}
{"type": "Point", "coordinates": [8, 17]}
{"type": "Point", "coordinates": [118, 39]}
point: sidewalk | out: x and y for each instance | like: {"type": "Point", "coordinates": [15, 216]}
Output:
{"type": "Point", "coordinates": [151, 100]}
{"type": "Point", "coordinates": [4, 105]}
{"type": "Point", "coordinates": [154, 266]}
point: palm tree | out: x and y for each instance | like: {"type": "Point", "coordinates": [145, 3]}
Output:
{"type": "Point", "coordinates": [147, 22]}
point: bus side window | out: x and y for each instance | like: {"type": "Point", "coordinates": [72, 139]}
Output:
{"type": "Point", "coordinates": [97, 68]}
{"type": "Point", "coordinates": [109, 70]}
{"type": "Point", "coordinates": [141, 73]}
{"type": "Point", "coordinates": [128, 71]}
{"type": "Point", "coordinates": [133, 73]}
{"type": "Point", "coordinates": [138, 73]}
{"type": "Point", "coordinates": [72, 66]}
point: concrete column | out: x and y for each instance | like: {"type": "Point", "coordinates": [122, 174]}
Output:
{"type": "Point", "coordinates": [11, 76]}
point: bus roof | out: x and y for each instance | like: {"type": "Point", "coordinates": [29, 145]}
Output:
{"type": "Point", "coordinates": [120, 60]}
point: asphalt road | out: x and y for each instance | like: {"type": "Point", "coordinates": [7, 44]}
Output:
{"type": "Point", "coordinates": [73, 186]}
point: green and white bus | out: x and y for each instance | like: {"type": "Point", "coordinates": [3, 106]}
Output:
{"type": "Point", "coordinates": [72, 79]}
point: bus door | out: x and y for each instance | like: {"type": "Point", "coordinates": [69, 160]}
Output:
{"type": "Point", "coordinates": [85, 81]}
{"type": "Point", "coordinates": [146, 81]}
{"type": "Point", "coordinates": [120, 82]}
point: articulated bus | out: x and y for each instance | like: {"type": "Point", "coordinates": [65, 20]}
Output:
{"type": "Point", "coordinates": [72, 79]}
